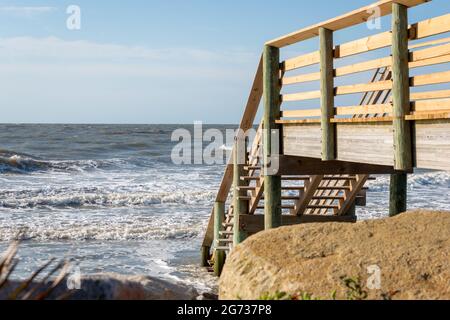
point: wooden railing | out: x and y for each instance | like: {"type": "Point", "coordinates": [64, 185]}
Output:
{"type": "Point", "coordinates": [247, 122]}
{"type": "Point", "coordinates": [385, 98]}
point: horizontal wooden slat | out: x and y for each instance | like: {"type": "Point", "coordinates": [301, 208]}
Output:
{"type": "Point", "coordinates": [430, 105]}
{"type": "Point", "coordinates": [432, 27]}
{"type": "Point", "coordinates": [301, 113]}
{"type": "Point", "coordinates": [374, 42]}
{"type": "Point", "coordinates": [303, 121]}
{"type": "Point", "coordinates": [344, 21]}
{"type": "Point", "coordinates": [308, 95]}
{"type": "Point", "coordinates": [431, 78]}
{"type": "Point", "coordinates": [438, 94]}
{"type": "Point", "coordinates": [428, 116]}
{"type": "Point", "coordinates": [430, 53]}
{"type": "Point", "coordinates": [362, 120]}
{"type": "Point", "coordinates": [368, 109]}
{"type": "Point", "coordinates": [301, 61]}
{"type": "Point", "coordinates": [429, 43]}
{"type": "Point", "coordinates": [301, 78]}
{"type": "Point", "coordinates": [364, 87]}
{"type": "Point", "coordinates": [364, 66]}
{"type": "Point", "coordinates": [429, 62]}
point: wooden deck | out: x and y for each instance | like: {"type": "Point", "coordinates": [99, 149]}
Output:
{"type": "Point", "coordinates": [400, 120]}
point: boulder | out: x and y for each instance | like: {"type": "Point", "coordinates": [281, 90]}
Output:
{"type": "Point", "coordinates": [405, 257]}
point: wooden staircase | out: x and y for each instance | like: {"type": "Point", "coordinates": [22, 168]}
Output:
{"type": "Point", "coordinates": [332, 195]}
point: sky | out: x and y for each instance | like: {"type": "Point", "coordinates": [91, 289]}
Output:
{"type": "Point", "coordinates": [147, 61]}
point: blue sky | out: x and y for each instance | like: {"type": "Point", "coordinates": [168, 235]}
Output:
{"type": "Point", "coordinates": [147, 61]}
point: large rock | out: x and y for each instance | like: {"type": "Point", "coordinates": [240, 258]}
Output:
{"type": "Point", "coordinates": [113, 287]}
{"type": "Point", "coordinates": [410, 250]}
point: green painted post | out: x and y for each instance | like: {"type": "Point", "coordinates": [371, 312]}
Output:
{"type": "Point", "coordinates": [205, 257]}
{"type": "Point", "coordinates": [398, 194]}
{"type": "Point", "coordinates": [272, 112]}
{"type": "Point", "coordinates": [240, 205]}
{"type": "Point", "coordinates": [401, 107]}
{"type": "Point", "coordinates": [327, 94]}
{"type": "Point", "coordinates": [400, 88]}
{"type": "Point", "coordinates": [219, 255]}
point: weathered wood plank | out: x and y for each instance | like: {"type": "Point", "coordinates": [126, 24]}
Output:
{"type": "Point", "coordinates": [308, 95]}
{"type": "Point", "coordinates": [301, 61]}
{"type": "Point", "coordinates": [255, 223]}
{"type": "Point", "coordinates": [302, 140]}
{"type": "Point", "coordinates": [327, 95]}
{"type": "Point", "coordinates": [272, 103]}
{"type": "Point", "coordinates": [364, 87]}
{"type": "Point", "coordinates": [400, 88]}
{"type": "Point", "coordinates": [436, 94]}
{"type": "Point", "coordinates": [431, 144]}
{"type": "Point", "coordinates": [366, 143]}
{"type": "Point", "coordinates": [431, 27]}
{"type": "Point", "coordinates": [431, 78]}
{"type": "Point", "coordinates": [344, 21]}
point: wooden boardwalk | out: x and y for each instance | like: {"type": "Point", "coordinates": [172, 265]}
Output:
{"type": "Point", "coordinates": [401, 121]}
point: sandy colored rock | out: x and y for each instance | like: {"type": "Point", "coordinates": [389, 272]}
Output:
{"type": "Point", "coordinates": [411, 250]}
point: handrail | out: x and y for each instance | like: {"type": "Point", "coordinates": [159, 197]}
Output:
{"type": "Point", "coordinates": [247, 122]}
{"type": "Point", "coordinates": [344, 21]}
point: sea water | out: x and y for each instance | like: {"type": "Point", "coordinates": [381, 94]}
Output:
{"type": "Point", "coordinates": [110, 198]}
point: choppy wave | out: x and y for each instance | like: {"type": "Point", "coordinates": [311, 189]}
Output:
{"type": "Point", "coordinates": [65, 198]}
{"type": "Point", "coordinates": [418, 180]}
{"type": "Point", "coordinates": [107, 231]}
{"type": "Point", "coordinates": [11, 162]}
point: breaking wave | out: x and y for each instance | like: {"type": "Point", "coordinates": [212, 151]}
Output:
{"type": "Point", "coordinates": [12, 162]}
{"type": "Point", "coordinates": [91, 197]}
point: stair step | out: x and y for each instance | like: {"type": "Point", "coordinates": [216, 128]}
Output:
{"type": "Point", "coordinates": [327, 197]}
{"type": "Point", "coordinates": [293, 188]}
{"type": "Point", "coordinates": [334, 188]}
{"type": "Point", "coordinates": [223, 248]}
{"type": "Point", "coordinates": [322, 207]}
{"type": "Point", "coordinates": [222, 233]}
{"type": "Point", "coordinates": [282, 207]}
{"type": "Point", "coordinates": [294, 178]}
{"type": "Point", "coordinates": [245, 198]}
{"type": "Point", "coordinates": [225, 240]}
{"type": "Point", "coordinates": [339, 179]}
{"type": "Point", "coordinates": [228, 224]}
{"type": "Point", "coordinates": [246, 188]}
{"type": "Point", "coordinates": [248, 168]}
{"type": "Point", "coordinates": [250, 178]}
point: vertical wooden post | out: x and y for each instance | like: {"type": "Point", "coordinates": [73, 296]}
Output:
{"type": "Point", "coordinates": [401, 107]}
{"type": "Point", "coordinates": [272, 104]}
{"type": "Point", "coordinates": [398, 194]}
{"type": "Point", "coordinates": [204, 256]}
{"type": "Point", "coordinates": [400, 88]}
{"type": "Point", "coordinates": [240, 204]}
{"type": "Point", "coordinates": [219, 255]}
{"type": "Point", "coordinates": [327, 94]}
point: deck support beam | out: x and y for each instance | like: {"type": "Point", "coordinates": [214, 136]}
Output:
{"type": "Point", "coordinates": [241, 206]}
{"type": "Point", "coordinates": [398, 194]}
{"type": "Point", "coordinates": [401, 107]}
{"type": "Point", "coordinates": [327, 95]}
{"type": "Point", "coordinates": [204, 256]}
{"type": "Point", "coordinates": [272, 112]}
{"type": "Point", "coordinates": [400, 89]}
{"type": "Point", "coordinates": [219, 255]}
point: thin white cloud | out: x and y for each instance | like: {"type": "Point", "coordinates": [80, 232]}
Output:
{"type": "Point", "coordinates": [17, 49]}
{"type": "Point", "coordinates": [23, 11]}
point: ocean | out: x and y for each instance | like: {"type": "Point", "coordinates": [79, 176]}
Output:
{"type": "Point", "coordinates": [110, 198]}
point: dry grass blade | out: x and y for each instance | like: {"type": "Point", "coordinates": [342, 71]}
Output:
{"type": "Point", "coordinates": [64, 267]}
{"type": "Point", "coordinates": [29, 281]}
